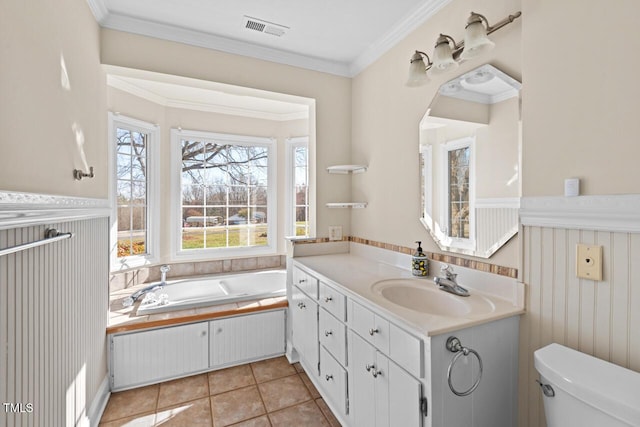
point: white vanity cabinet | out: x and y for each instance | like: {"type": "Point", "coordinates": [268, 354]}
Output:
{"type": "Point", "coordinates": [304, 316]}
{"type": "Point", "coordinates": [381, 392]}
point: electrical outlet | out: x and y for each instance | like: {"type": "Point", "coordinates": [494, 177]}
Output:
{"type": "Point", "coordinates": [335, 232]}
{"type": "Point", "coordinates": [589, 261]}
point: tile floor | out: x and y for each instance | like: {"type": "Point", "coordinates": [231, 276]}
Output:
{"type": "Point", "coordinates": [266, 393]}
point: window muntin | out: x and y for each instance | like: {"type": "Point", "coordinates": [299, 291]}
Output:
{"type": "Point", "coordinates": [226, 192]}
{"type": "Point", "coordinates": [133, 165]}
{"type": "Point", "coordinates": [301, 190]}
{"type": "Point", "coordinates": [459, 197]}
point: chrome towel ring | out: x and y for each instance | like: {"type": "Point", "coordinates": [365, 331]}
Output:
{"type": "Point", "coordinates": [455, 346]}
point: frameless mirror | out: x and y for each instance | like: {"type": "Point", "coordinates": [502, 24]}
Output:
{"type": "Point", "coordinates": [470, 162]}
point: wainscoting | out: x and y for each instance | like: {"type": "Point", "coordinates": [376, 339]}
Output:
{"type": "Point", "coordinates": [599, 318]}
{"type": "Point", "coordinates": [53, 314]}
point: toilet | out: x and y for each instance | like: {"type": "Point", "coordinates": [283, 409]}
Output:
{"type": "Point", "coordinates": [582, 391]}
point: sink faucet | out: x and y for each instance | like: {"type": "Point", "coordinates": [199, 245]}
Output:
{"type": "Point", "coordinates": [448, 282]}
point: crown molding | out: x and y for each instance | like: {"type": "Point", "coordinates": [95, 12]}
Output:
{"type": "Point", "coordinates": [201, 39]}
{"type": "Point", "coordinates": [26, 209]}
{"type": "Point", "coordinates": [224, 44]}
{"type": "Point", "coordinates": [401, 30]}
{"type": "Point", "coordinates": [616, 213]}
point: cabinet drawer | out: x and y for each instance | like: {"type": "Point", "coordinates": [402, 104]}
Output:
{"type": "Point", "coordinates": [370, 326]}
{"type": "Point", "coordinates": [333, 336]}
{"type": "Point", "coordinates": [333, 381]}
{"type": "Point", "coordinates": [406, 350]}
{"type": "Point", "coordinates": [333, 301]}
{"type": "Point", "coordinates": [307, 283]}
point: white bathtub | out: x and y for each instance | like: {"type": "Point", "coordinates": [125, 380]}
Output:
{"type": "Point", "coordinates": [213, 290]}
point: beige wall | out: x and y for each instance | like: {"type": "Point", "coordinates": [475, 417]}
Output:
{"type": "Point", "coordinates": [386, 115]}
{"type": "Point", "coordinates": [167, 118]}
{"type": "Point", "coordinates": [332, 95]}
{"type": "Point", "coordinates": [38, 149]}
{"type": "Point", "coordinates": [581, 96]}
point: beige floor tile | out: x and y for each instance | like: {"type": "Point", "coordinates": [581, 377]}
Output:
{"type": "Point", "coordinates": [183, 390]}
{"type": "Point", "coordinates": [305, 414]}
{"type": "Point", "coordinates": [144, 420]}
{"type": "Point", "coordinates": [270, 369]}
{"type": "Point", "coordinates": [131, 402]}
{"type": "Point", "coordinates": [230, 379]}
{"type": "Point", "coordinates": [262, 421]}
{"type": "Point", "coordinates": [312, 389]}
{"type": "Point", "coordinates": [333, 421]}
{"type": "Point", "coordinates": [195, 413]}
{"type": "Point", "coordinates": [235, 406]}
{"type": "Point", "coordinates": [283, 392]}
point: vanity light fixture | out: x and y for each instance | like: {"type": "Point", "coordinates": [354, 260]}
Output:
{"type": "Point", "coordinates": [447, 53]}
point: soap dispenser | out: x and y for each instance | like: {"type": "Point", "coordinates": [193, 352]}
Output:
{"type": "Point", "coordinates": [419, 262]}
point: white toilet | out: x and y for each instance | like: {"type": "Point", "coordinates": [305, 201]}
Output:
{"type": "Point", "coordinates": [582, 391]}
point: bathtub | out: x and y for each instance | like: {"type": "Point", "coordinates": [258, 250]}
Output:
{"type": "Point", "coordinates": [214, 290]}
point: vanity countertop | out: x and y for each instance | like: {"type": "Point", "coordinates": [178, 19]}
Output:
{"type": "Point", "coordinates": [356, 275]}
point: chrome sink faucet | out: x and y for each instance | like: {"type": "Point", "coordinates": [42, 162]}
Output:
{"type": "Point", "coordinates": [448, 282]}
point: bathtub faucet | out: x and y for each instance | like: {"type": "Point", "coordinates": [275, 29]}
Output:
{"type": "Point", "coordinates": [128, 302]}
{"type": "Point", "coordinates": [164, 269]}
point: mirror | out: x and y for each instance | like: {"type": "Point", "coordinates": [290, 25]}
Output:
{"type": "Point", "coordinates": [470, 162]}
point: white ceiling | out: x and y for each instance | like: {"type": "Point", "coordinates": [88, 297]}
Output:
{"type": "Point", "coordinates": [334, 36]}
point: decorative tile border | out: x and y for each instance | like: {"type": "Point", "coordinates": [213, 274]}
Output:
{"type": "Point", "coordinates": [449, 259]}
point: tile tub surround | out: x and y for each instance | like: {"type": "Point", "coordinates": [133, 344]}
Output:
{"type": "Point", "coordinates": [267, 393]}
{"type": "Point", "coordinates": [134, 277]}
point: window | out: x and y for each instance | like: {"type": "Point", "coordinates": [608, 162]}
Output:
{"type": "Point", "coordinates": [133, 146]}
{"type": "Point", "coordinates": [224, 194]}
{"type": "Point", "coordinates": [458, 158]}
{"type": "Point", "coordinates": [298, 204]}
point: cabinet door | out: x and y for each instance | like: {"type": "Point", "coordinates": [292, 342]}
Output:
{"type": "Point", "coordinates": [147, 357]}
{"type": "Point", "coordinates": [246, 338]}
{"type": "Point", "coordinates": [362, 398]}
{"type": "Point", "coordinates": [404, 406]}
{"type": "Point", "coordinates": [304, 324]}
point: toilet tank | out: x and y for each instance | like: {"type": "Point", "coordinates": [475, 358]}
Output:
{"type": "Point", "coordinates": [588, 391]}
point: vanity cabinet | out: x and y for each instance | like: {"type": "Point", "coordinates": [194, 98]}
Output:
{"type": "Point", "coordinates": [381, 393]}
{"type": "Point", "coordinates": [304, 315]}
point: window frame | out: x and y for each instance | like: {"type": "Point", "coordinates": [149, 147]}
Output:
{"type": "Point", "coordinates": [179, 254]}
{"type": "Point", "coordinates": [290, 199]}
{"type": "Point", "coordinates": [152, 243]}
{"type": "Point", "coordinates": [451, 241]}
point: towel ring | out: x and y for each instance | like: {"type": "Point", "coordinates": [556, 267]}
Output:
{"type": "Point", "coordinates": [455, 346]}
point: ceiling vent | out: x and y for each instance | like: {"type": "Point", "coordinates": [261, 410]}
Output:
{"type": "Point", "coordinates": [266, 27]}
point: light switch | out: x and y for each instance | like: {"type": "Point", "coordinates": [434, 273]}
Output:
{"type": "Point", "coordinates": [589, 261]}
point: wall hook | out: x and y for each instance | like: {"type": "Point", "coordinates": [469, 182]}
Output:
{"type": "Point", "coordinates": [79, 174]}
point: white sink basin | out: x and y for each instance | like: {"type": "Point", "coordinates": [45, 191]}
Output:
{"type": "Point", "coordinates": [423, 296]}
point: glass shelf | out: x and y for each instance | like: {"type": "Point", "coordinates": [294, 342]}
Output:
{"type": "Point", "coordinates": [354, 205]}
{"type": "Point", "coordinates": [347, 169]}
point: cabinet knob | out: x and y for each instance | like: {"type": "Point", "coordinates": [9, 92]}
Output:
{"type": "Point", "coordinates": [301, 305]}
{"type": "Point", "coordinates": [328, 299]}
{"type": "Point", "coordinates": [373, 331]}
{"type": "Point", "coordinates": [375, 373]}
{"type": "Point", "coordinates": [328, 377]}
{"type": "Point", "coordinates": [369, 367]}
{"type": "Point", "coordinates": [327, 333]}
{"type": "Point", "coordinates": [302, 281]}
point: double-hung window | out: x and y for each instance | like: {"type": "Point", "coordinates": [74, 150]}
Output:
{"type": "Point", "coordinates": [298, 201]}
{"type": "Point", "coordinates": [224, 194]}
{"type": "Point", "coordinates": [133, 158]}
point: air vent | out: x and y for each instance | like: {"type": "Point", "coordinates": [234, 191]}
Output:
{"type": "Point", "coordinates": [263, 26]}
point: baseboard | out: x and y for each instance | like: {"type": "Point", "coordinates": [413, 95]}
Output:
{"type": "Point", "coordinates": [99, 402]}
